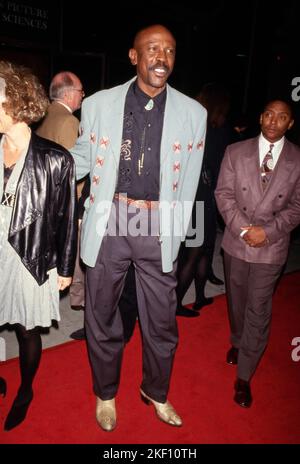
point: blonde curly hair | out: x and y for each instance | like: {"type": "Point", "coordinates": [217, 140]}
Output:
{"type": "Point", "coordinates": [26, 99]}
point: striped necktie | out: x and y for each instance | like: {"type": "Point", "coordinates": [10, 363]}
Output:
{"type": "Point", "coordinates": [266, 168]}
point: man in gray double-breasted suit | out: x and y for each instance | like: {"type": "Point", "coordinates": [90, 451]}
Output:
{"type": "Point", "coordinates": [142, 143]}
{"type": "Point", "coordinates": [258, 195]}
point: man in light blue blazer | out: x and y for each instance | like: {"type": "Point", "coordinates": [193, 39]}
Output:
{"type": "Point", "coordinates": [142, 144]}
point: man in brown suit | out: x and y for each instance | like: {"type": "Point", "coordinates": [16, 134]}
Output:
{"type": "Point", "coordinates": [258, 195]}
{"type": "Point", "coordinates": [61, 126]}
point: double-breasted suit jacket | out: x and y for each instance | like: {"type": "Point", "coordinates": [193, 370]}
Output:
{"type": "Point", "coordinates": [242, 201]}
{"type": "Point", "coordinates": [97, 152]}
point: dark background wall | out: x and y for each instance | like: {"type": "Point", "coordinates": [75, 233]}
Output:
{"type": "Point", "coordinates": [251, 46]}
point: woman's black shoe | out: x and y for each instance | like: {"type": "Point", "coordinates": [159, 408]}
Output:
{"type": "Point", "coordinates": [17, 412]}
{"type": "Point", "coordinates": [184, 312]}
{"type": "Point", "coordinates": [2, 387]}
{"type": "Point", "coordinates": [203, 302]}
{"type": "Point", "coordinates": [78, 334]}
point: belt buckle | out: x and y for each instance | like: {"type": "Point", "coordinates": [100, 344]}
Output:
{"type": "Point", "coordinates": [145, 204]}
{"type": "Point", "coordinates": [141, 203]}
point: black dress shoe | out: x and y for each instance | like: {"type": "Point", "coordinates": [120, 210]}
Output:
{"type": "Point", "coordinates": [184, 312]}
{"type": "Point", "coordinates": [232, 355]}
{"type": "Point", "coordinates": [242, 395]}
{"type": "Point", "coordinates": [78, 334]}
{"type": "Point", "coordinates": [215, 280]}
{"type": "Point", "coordinates": [203, 302]}
{"type": "Point", "coordinates": [17, 412]}
{"type": "Point", "coordinates": [2, 387]}
{"type": "Point", "coordinates": [77, 308]}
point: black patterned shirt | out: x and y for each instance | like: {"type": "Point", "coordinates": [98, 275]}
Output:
{"type": "Point", "coordinates": [139, 168]}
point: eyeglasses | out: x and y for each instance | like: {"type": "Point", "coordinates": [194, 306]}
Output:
{"type": "Point", "coordinates": [78, 90]}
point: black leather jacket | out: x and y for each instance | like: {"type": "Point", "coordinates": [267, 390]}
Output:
{"type": "Point", "coordinates": [43, 228]}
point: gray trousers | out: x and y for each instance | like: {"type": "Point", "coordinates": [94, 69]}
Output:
{"type": "Point", "coordinates": [77, 287]}
{"type": "Point", "coordinates": [156, 301]}
{"type": "Point", "coordinates": [249, 288]}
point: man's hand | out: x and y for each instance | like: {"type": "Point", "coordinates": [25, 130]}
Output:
{"type": "Point", "coordinates": [63, 282]}
{"type": "Point", "coordinates": [255, 236]}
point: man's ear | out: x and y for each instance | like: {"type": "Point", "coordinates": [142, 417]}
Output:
{"type": "Point", "coordinates": [291, 124]}
{"type": "Point", "coordinates": [132, 56]}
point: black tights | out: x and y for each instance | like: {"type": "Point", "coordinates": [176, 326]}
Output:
{"type": "Point", "coordinates": [30, 350]}
{"type": "Point", "coordinates": [193, 263]}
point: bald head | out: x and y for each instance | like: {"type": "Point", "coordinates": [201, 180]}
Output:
{"type": "Point", "coordinates": [67, 88]}
{"type": "Point", "coordinates": [60, 82]}
{"type": "Point", "coordinates": [144, 33]}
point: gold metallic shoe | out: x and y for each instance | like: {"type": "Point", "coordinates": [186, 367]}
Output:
{"type": "Point", "coordinates": [106, 415]}
{"type": "Point", "coordinates": [164, 411]}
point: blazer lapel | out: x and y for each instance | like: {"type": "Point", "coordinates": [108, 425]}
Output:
{"type": "Point", "coordinates": [283, 168]}
{"type": "Point", "coordinates": [174, 124]}
{"type": "Point", "coordinates": [252, 169]}
{"type": "Point", "coordinates": [114, 121]}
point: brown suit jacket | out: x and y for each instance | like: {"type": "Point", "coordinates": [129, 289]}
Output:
{"type": "Point", "coordinates": [242, 201]}
{"type": "Point", "coordinates": [59, 125]}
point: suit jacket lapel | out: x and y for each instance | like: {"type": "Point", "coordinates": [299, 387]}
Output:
{"type": "Point", "coordinates": [174, 124]}
{"type": "Point", "coordinates": [114, 117]}
{"type": "Point", "coordinates": [283, 168]}
{"type": "Point", "coordinates": [252, 169]}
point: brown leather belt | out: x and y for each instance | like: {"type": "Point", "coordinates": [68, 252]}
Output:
{"type": "Point", "coordinates": [144, 204]}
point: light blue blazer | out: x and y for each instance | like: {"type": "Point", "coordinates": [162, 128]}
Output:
{"type": "Point", "coordinates": [97, 151]}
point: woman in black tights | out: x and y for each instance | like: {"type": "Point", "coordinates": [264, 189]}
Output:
{"type": "Point", "coordinates": [195, 263]}
{"type": "Point", "coordinates": [37, 225]}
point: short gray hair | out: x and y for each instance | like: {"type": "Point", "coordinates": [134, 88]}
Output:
{"type": "Point", "coordinates": [60, 82]}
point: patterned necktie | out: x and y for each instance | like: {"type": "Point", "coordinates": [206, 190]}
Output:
{"type": "Point", "coordinates": [266, 168]}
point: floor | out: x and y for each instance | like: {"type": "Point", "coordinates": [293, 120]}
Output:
{"type": "Point", "coordinates": [72, 320]}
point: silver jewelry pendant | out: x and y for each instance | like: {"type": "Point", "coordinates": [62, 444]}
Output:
{"type": "Point", "coordinates": [149, 105]}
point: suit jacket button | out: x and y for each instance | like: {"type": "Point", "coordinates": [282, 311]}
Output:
{"type": "Point", "coordinates": [245, 209]}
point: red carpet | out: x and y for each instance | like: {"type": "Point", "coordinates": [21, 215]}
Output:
{"type": "Point", "coordinates": [201, 389]}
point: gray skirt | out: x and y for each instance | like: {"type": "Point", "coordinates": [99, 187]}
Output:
{"type": "Point", "coordinates": [22, 300]}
